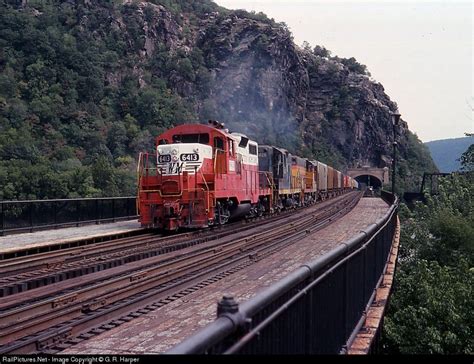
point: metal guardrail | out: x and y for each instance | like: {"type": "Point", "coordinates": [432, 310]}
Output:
{"type": "Point", "coordinates": [317, 309]}
{"type": "Point", "coordinates": [31, 215]}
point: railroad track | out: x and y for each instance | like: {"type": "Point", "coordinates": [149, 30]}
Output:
{"type": "Point", "coordinates": [50, 318]}
{"type": "Point", "coordinates": [32, 271]}
{"type": "Point", "coordinates": [25, 273]}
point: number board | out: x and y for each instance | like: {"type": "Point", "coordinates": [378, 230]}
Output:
{"type": "Point", "coordinates": [165, 158]}
{"type": "Point", "coordinates": [189, 157]}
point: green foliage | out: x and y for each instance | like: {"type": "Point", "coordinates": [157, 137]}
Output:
{"type": "Point", "coordinates": [321, 51]}
{"type": "Point", "coordinates": [66, 130]}
{"type": "Point", "coordinates": [80, 95]}
{"type": "Point", "coordinates": [431, 312]}
{"type": "Point", "coordinates": [261, 17]}
{"type": "Point", "coordinates": [413, 163]}
{"type": "Point", "coordinates": [431, 309]}
{"type": "Point", "coordinates": [467, 159]}
{"type": "Point", "coordinates": [354, 66]}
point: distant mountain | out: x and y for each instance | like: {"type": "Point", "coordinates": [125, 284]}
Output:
{"type": "Point", "coordinates": [446, 152]}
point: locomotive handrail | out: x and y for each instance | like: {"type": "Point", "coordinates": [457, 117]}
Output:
{"type": "Point", "coordinates": [178, 195]}
{"type": "Point", "coordinates": [139, 179]}
{"type": "Point", "coordinates": [207, 188]}
{"type": "Point", "coordinates": [142, 166]}
{"type": "Point", "coordinates": [270, 183]}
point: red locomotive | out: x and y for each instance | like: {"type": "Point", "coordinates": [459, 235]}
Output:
{"type": "Point", "coordinates": [203, 175]}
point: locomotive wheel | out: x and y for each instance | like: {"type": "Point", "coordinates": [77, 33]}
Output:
{"type": "Point", "coordinates": [222, 214]}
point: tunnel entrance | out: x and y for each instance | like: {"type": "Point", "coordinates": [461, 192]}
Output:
{"type": "Point", "coordinates": [368, 180]}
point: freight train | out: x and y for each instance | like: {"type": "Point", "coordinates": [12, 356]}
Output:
{"type": "Point", "coordinates": [202, 175]}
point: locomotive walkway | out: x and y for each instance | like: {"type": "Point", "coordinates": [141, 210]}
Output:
{"type": "Point", "coordinates": [160, 330]}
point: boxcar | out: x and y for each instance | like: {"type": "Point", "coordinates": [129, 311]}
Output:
{"type": "Point", "coordinates": [322, 175]}
{"type": "Point", "coordinates": [338, 180]}
{"type": "Point", "coordinates": [330, 179]}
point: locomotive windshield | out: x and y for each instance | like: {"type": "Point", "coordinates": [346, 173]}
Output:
{"type": "Point", "coordinates": [191, 138]}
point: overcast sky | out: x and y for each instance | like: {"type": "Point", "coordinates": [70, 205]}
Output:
{"type": "Point", "coordinates": [421, 51]}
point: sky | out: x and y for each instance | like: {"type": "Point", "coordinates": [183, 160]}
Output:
{"type": "Point", "coordinates": [420, 51]}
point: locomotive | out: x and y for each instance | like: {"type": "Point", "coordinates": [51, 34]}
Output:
{"type": "Point", "coordinates": [202, 175]}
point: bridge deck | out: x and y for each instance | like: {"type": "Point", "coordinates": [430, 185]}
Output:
{"type": "Point", "coordinates": [12, 243]}
{"type": "Point", "coordinates": [165, 327]}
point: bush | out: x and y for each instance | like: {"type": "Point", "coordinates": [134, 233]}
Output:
{"type": "Point", "coordinates": [431, 309]}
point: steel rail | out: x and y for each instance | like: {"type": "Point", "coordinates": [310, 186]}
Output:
{"type": "Point", "coordinates": [240, 243]}
{"type": "Point", "coordinates": [211, 257]}
{"type": "Point", "coordinates": [25, 273]}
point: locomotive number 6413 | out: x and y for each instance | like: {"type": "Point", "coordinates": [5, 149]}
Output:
{"type": "Point", "coordinates": [189, 157]}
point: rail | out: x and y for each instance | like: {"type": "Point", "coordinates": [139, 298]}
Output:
{"type": "Point", "coordinates": [31, 215]}
{"type": "Point", "coordinates": [317, 309]}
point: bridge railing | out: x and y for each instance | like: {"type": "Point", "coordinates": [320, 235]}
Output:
{"type": "Point", "coordinates": [31, 215]}
{"type": "Point", "coordinates": [317, 309]}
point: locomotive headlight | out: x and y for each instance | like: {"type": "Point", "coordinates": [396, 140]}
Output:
{"type": "Point", "coordinates": [175, 158]}
{"type": "Point", "coordinates": [196, 150]}
{"type": "Point", "coordinates": [174, 151]}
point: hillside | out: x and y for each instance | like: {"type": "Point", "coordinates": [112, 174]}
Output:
{"type": "Point", "coordinates": [86, 84]}
{"type": "Point", "coordinates": [446, 152]}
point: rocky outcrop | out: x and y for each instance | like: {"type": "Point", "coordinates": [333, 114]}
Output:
{"type": "Point", "coordinates": [279, 92]}
{"type": "Point", "coordinates": [254, 78]}
{"type": "Point", "coordinates": [240, 68]}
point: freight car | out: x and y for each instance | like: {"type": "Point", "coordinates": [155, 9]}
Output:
{"type": "Point", "coordinates": [203, 175]}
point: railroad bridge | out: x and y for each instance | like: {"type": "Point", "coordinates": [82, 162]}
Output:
{"type": "Point", "coordinates": [370, 176]}
{"type": "Point", "coordinates": [321, 288]}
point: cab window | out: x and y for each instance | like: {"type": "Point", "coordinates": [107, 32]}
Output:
{"type": "Point", "coordinates": [218, 143]}
{"type": "Point", "coordinates": [202, 138]}
{"type": "Point", "coordinates": [231, 147]}
{"type": "Point", "coordinates": [253, 149]}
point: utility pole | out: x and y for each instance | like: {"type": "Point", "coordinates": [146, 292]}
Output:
{"type": "Point", "coordinates": [395, 121]}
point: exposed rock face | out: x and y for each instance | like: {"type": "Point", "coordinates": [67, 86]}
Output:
{"type": "Point", "coordinates": [262, 84]}
{"type": "Point", "coordinates": [272, 88]}
{"type": "Point", "coordinates": [244, 70]}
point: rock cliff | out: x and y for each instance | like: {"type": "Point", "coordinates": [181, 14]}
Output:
{"type": "Point", "coordinates": [102, 78]}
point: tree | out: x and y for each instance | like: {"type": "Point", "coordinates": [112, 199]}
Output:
{"type": "Point", "coordinates": [467, 159]}
{"type": "Point", "coordinates": [430, 311]}
{"type": "Point", "coordinates": [104, 176]}
{"type": "Point", "coordinates": [434, 314]}
{"type": "Point", "coordinates": [321, 51]}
